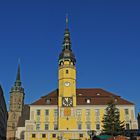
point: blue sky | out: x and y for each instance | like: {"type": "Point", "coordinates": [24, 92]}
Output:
{"type": "Point", "coordinates": [105, 38]}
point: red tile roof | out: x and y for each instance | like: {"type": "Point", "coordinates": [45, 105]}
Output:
{"type": "Point", "coordinates": [96, 96]}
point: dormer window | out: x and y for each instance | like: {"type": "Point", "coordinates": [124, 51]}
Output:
{"type": "Point", "coordinates": [88, 101]}
{"type": "Point", "coordinates": [48, 101]}
{"type": "Point", "coordinates": [98, 94]}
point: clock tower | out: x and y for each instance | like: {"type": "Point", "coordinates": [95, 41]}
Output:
{"type": "Point", "coordinates": [67, 83]}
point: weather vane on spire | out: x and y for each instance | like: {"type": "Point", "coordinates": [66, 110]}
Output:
{"type": "Point", "coordinates": [66, 20]}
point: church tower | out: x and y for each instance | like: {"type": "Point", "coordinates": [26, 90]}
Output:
{"type": "Point", "coordinates": [16, 106]}
{"type": "Point", "coordinates": [67, 84]}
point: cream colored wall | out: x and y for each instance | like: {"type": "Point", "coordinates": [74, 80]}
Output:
{"type": "Point", "coordinates": [42, 118]}
{"type": "Point", "coordinates": [72, 119]}
{"type": "Point", "coordinates": [130, 118]}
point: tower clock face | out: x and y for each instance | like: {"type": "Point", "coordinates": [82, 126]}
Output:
{"type": "Point", "coordinates": [67, 101]}
{"type": "Point", "coordinates": [67, 84]}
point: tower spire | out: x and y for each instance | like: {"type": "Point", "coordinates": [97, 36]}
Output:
{"type": "Point", "coordinates": [66, 21]}
{"type": "Point", "coordinates": [66, 42]}
{"type": "Point", "coordinates": [18, 82]}
{"type": "Point", "coordinates": [66, 46]}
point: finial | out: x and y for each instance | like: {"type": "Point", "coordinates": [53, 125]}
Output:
{"type": "Point", "coordinates": [66, 21]}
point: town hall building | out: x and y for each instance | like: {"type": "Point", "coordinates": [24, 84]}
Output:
{"type": "Point", "coordinates": [67, 112]}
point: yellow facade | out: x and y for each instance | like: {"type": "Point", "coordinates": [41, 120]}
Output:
{"type": "Point", "coordinates": [68, 120]}
{"type": "Point", "coordinates": [67, 89]}
{"type": "Point", "coordinates": [88, 115]}
{"type": "Point", "coordinates": [63, 77]}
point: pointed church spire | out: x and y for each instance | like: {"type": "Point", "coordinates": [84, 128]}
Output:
{"type": "Point", "coordinates": [18, 82]}
{"type": "Point", "coordinates": [66, 42]}
{"type": "Point", "coordinates": [67, 51]}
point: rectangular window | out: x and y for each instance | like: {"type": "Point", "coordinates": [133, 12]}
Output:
{"type": "Point", "coordinates": [55, 112]}
{"type": "Point", "coordinates": [97, 126]}
{"type": "Point", "coordinates": [55, 127]}
{"type": "Point", "coordinates": [126, 112]}
{"type": "Point", "coordinates": [87, 112]}
{"type": "Point", "coordinates": [78, 112]}
{"type": "Point", "coordinates": [81, 135]}
{"type": "Point", "coordinates": [88, 126]}
{"type": "Point", "coordinates": [43, 135]}
{"type": "Point", "coordinates": [54, 135]}
{"type": "Point", "coordinates": [46, 126]}
{"type": "Point", "coordinates": [37, 126]}
{"type": "Point", "coordinates": [79, 126]}
{"type": "Point", "coordinates": [97, 112]}
{"type": "Point", "coordinates": [46, 112]}
{"type": "Point", "coordinates": [38, 112]}
{"type": "Point", "coordinates": [33, 135]}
